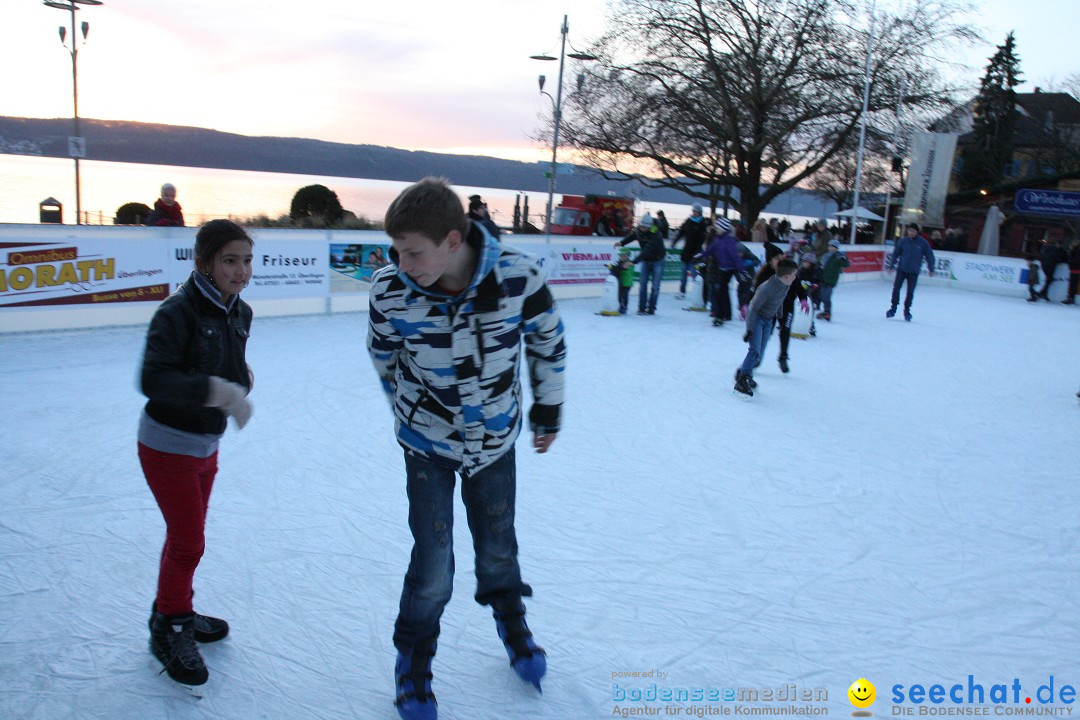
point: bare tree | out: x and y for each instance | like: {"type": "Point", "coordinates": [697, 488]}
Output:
{"type": "Point", "coordinates": [740, 100]}
{"type": "Point", "coordinates": [835, 180]}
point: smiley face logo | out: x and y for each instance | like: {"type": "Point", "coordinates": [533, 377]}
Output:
{"type": "Point", "coordinates": [862, 693]}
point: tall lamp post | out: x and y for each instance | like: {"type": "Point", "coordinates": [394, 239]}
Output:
{"type": "Point", "coordinates": [557, 100]}
{"type": "Point", "coordinates": [862, 128]}
{"type": "Point", "coordinates": [76, 143]}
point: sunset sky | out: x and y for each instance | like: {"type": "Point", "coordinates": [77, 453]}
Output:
{"type": "Point", "coordinates": [444, 76]}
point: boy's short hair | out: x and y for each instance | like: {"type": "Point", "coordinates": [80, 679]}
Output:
{"type": "Point", "coordinates": [785, 267]}
{"type": "Point", "coordinates": [429, 207]}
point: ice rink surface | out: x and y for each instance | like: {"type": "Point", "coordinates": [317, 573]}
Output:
{"type": "Point", "coordinates": [902, 506]}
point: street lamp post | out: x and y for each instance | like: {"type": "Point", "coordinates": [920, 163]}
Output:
{"type": "Point", "coordinates": [76, 144]}
{"type": "Point", "coordinates": [862, 128]}
{"type": "Point", "coordinates": [557, 101]}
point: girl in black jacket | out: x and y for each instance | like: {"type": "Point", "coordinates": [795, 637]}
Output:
{"type": "Point", "coordinates": [195, 375]}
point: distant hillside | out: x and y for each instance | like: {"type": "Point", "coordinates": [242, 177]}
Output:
{"type": "Point", "coordinates": [155, 144]}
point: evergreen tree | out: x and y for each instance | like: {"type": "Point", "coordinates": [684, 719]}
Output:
{"type": "Point", "coordinates": [994, 116]}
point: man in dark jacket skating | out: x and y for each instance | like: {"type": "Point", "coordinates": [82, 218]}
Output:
{"type": "Point", "coordinates": [907, 258]}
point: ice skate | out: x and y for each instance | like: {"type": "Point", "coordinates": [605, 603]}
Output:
{"type": "Point", "coordinates": [412, 680]}
{"type": "Point", "coordinates": [172, 640]}
{"type": "Point", "coordinates": [206, 629]}
{"type": "Point", "coordinates": [527, 658]}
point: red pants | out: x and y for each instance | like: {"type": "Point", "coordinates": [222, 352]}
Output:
{"type": "Point", "coordinates": [181, 485]}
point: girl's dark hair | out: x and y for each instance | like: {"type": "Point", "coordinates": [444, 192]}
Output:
{"type": "Point", "coordinates": [216, 234]}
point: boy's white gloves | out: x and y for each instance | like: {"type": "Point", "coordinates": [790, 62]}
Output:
{"type": "Point", "coordinates": [231, 399]}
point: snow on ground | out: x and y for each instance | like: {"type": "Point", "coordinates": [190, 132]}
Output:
{"type": "Point", "coordinates": [901, 507]}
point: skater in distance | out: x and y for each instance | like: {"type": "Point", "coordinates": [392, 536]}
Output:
{"type": "Point", "coordinates": [906, 258]}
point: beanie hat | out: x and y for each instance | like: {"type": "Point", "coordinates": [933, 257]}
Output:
{"type": "Point", "coordinates": [834, 243]}
{"type": "Point", "coordinates": [696, 207]}
{"type": "Point", "coordinates": [772, 251]}
{"type": "Point", "coordinates": [723, 225]}
{"type": "Point", "coordinates": [645, 221]}
{"type": "Point", "coordinates": [810, 258]}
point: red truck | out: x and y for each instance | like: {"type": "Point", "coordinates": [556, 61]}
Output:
{"type": "Point", "coordinates": [593, 215]}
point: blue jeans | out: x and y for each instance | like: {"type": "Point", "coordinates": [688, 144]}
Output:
{"type": "Point", "coordinates": [650, 271]}
{"type": "Point", "coordinates": [488, 496]}
{"type": "Point", "coordinates": [688, 270]}
{"type": "Point", "coordinates": [759, 338]}
{"type": "Point", "coordinates": [826, 298]}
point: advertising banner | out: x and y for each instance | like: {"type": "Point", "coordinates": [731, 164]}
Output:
{"type": "Point", "coordinates": [81, 272]}
{"type": "Point", "coordinates": [928, 178]}
{"type": "Point", "coordinates": [352, 264]}
{"type": "Point", "coordinates": [586, 264]}
{"type": "Point", "coordinates": [282, 267]}
{"type": "Point", "coordinates": [865, 261]}
{"type": "Point", "coordinates": [978, 270]}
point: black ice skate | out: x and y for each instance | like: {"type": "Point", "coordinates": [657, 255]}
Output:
{"type": "Point", "coordinates": [172, 640]}
{"type": "Point", "coordinates": [207, 629]}
{"type": "Point", "coordinates": [742, 386]}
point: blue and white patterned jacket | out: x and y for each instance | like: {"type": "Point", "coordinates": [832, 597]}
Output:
{"type": "Point", "coordinates": [451, 365]}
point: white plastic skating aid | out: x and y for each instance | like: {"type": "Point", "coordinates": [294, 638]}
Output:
{"type": "Point", "coordinates": [609, 298]}
{"type": "Point", "coordinates": [695, 296]}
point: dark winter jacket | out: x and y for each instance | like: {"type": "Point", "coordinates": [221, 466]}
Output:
{"type": "Point", "coordinates": [832, 265]}
{"type": "Point", "coordinates": [1074, 257]}
{"type": "Point", "coordinates": [190, 338]}
{"type": "Point", "coordinates": [488, 224]}
{"type": "Point", "coordinates": [765, 272]}
{"type": "Point", "coordinates": [652, 245]}
{"type": "Point", "coordinates": [693, 233]}
{"type": "Point", "coordinates": [805, 277]}
{"type": "Point", "coordinates": [450, 365]}
{"type": "Point", "coordinates": [723, 252]}
{"type": "Point", "coordinates": [166, 215]}
{"type": "Point", "coordinates": [745, 276]}
{"type": "Point", "coordinates": [1050, 255]}
{"type": "Point", "coordinates": [908, 254]}
{"type": "Point", "coordinates": [820, 243]}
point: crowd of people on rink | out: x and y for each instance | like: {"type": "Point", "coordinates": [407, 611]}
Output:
{"type": "Point", "coordinates": [803, 268]}
{"type": "Point", "coordinates": [807, 265]}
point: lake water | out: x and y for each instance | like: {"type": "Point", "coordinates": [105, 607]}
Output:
{"type": "Point", "coordinates": [205, 193]}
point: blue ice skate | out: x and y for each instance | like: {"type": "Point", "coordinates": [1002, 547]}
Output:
{"type": "Point", "coordinates": [527, 658]}
{"type": "Point", "coordinates": [412, 679]}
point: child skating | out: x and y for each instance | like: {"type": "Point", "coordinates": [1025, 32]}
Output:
{"type": "Point", "coordinates": [447, 324]}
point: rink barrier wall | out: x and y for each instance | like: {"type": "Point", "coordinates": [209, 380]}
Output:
{"type": "Point", "coordinates": [55, 277]}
